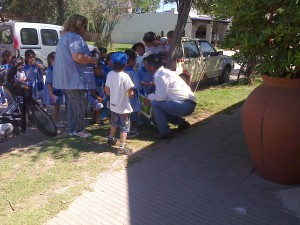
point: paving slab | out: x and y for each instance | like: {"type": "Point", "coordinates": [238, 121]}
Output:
{"type": "Point", "coordinates": [203, 176]}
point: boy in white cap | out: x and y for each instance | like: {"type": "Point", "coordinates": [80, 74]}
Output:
{"type": "Point", "coordinates": [120, 88]}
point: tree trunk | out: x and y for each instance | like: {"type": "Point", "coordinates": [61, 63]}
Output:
{"type": "Point", "coordinates": [60, 12]}
{"type": "Point", "coordinates": [183, 13]}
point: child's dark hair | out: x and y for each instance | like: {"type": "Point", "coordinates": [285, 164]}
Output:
{"type": "Point", "coordinates": [108, 56]}
{"type": "Point", "coordinates": [149, 37]}
{"type": "Point", "coordinates": [136, 45]}
{"type": "Point", "coordinates": [29, 52]}
{"type": "Point", "coordinates": [170, 34]}
{"type": "Point", "coordinates": [5, 56]}
{"type": "Point", "coordinates": [131, 54]}
{"type": "Point", "coordinates": [50, 58]}
{"type": "Point", "coordinates": [102, 50]}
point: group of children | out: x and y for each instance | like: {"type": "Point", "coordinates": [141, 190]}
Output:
{"type": "Point", "coordinates": [113, 89]}
{"type": "Point", "coordinates": [30, 72]}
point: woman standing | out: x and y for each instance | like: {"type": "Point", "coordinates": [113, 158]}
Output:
{"type": "Point", "coordinates": [72, 72]}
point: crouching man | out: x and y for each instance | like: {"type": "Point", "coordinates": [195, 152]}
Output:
{"type": "Point", "coordinates": [172, 100]}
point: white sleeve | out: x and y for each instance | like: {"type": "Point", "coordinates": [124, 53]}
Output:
{"type": "Point", "coordinates": [161, 89]}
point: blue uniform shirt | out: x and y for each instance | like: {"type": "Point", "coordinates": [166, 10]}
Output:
{"type": "Point", "coordinates": [68, 74]}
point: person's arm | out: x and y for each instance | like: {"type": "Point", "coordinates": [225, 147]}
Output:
{"type": "Point", "coordinates": [130, 93]}
{"type": "Point", "coordinates": [161, 89]}
{"type": "Point", "coordinates": [94, 94]}
{"type": "Point", "coordinates": [50, 88]}
{"type": "Point", "coordinates": [107, 90]}
{"type": "Point", "coordinates": [84, 59]}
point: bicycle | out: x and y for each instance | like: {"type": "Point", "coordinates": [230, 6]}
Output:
{"type": "Point", "coordinates": [23, 108]}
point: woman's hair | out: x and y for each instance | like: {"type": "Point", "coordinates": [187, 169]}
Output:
{"type": "Point", "coordinates": [5, 55]}
{"type": "Point", "coordinates": [50, 58]}
{"type": "Point", "coordinates": [136, 45]}
{"type": "Point", "coordinates": [74, 23]}
{"type": "Point", "coordinates": [154, 60]}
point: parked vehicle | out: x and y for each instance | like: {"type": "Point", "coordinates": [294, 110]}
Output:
{"type": "Point", "coordinates": [199, 60]}
{"type": "Point", "coordinates": [20, 36]}
{"type": "Point", "coordinates": [40, 37]}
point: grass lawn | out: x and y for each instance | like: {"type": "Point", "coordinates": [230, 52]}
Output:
{"type": "Point", "coordinates": [39, 181]}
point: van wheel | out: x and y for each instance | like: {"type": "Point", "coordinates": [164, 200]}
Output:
{"type": "Point", "coordinates": [185, 78]}
{"type": "Point", "coordinates": [225, 76]}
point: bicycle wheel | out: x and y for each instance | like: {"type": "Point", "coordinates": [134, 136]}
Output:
{"type": "Point", "coordinates": [42, 120]}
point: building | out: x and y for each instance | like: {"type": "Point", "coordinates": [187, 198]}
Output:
{"type": "Point", "coordinates": [132, 28]}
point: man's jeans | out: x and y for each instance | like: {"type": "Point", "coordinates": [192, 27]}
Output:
{"type": "Point", "coordinates": [170, 111]}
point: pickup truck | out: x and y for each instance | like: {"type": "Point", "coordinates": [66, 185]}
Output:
{"type": "Point", "coordinates": [198, 60]}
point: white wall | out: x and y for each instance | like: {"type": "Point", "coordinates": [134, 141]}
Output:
{"type": "Point", "coordinates": [132, 28]}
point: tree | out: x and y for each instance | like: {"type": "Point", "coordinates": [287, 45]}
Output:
{"type": "Point", "coordinates": [61, 10]}
{"type": "Point", "coordinates": [31, 10]}
{"type": "Point", "coordinates": [147, 5]}
{"type": "Point", "coordinates": [183, 7]}
{"type": "Point", "coordinates": [236, 11]}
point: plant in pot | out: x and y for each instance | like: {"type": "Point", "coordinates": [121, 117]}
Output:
{"type": "Point", "coordinates": [267, 35]}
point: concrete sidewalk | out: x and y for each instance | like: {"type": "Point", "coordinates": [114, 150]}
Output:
{"type": "Point", "coordinates": [202, 176]}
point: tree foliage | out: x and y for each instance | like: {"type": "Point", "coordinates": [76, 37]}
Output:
{"type": "Point", "coordinates": [31, 10]}
{"type": "Point", "coordinates": [147, 5]}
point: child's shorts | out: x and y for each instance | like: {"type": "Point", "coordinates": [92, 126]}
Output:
{"type": "Point", "coordinates": [122, 121]}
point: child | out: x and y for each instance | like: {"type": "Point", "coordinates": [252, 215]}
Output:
{"type": "Point", "coordinates": [166, 47]}
{"type": "Point", "coordinates": [7, 61]}
{"type": "Point", "coordinates": [103, 52]}
{"type": "Point", "coordinates": [134, 101]}
{"type": "Point", "coordinates": [152, 43]}
{"type": "Point", "coordinates": [119, 87]}
{"type": "Point", "coordinates": [97, 95]}
{"type": "Point", "coordinates": [139, 48]}
{"type": "Point", "coordinates": [21, 75]}
{"type": "Point", "coordinates": [33, 69]}
{"type": "Point", "coordinates": [53, 96]}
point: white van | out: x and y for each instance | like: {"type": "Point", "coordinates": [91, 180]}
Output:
{"type": "Point", "coordinates": [41, 38]}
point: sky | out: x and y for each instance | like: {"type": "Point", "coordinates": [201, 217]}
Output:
{"type": "Point", "coordinates": [165, 7]}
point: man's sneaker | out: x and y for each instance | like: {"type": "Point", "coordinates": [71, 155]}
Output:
{"type": "Point", "coordinates": [185, 125]}
{"type": "Point", "coordinates": [132, 133]}
{"type": "Point", "coordinates": [71, 134]}
{"type": "Point", "coordinates": [82, 134]}
{"type": "Point", "coordinates": [111, 141]}
{"type": "Point", "coordinates": [124, 150]}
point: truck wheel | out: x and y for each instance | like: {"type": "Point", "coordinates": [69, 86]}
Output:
{"type": "Point", "coordinates": [225, 76]}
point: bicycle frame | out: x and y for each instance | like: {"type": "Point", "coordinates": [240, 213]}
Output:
{"type": "Point", "coordinates": [12, 114]}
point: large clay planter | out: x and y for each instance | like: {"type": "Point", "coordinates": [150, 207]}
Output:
{"type": "Point", "coordinates": [271, 124]}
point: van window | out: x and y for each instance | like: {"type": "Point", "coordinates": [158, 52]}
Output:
{"type": "Point", "coordinates": [29, 36]}
{"type": "Point", "coordinates": [49, 37]}
{"type": "Point", "coordinates": [6, 35]}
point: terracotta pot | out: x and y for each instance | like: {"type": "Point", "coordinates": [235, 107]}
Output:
{"type": "Point", "coordinates": [271, 124]}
